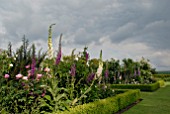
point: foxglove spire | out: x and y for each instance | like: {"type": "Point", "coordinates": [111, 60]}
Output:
{"type": "Point", "coordinates": [58, 59]}
{"type": "Point", "coordinates": [50, 46]}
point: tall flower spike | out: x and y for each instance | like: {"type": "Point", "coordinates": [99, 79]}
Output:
{"type": "Point", "coordinates": [100, 68]}
{"type": "Point", "coordinates": [50, 46]}
{"type": "Point", "coordinates": [73, 70]}
{"type": "Point", "coordinates": [33, 66]}
{"type": "Point", "coordinates": [58, 59]}
{"type": "Point", "coordinates": [106, 71]}
{"type": "Point", "coordinates": [138, 71]}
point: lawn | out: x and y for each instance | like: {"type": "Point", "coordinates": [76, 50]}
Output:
{"type": "Point", "coordinates": [157, 102]}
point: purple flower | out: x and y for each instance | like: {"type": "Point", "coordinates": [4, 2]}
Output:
{"type": "Point", "coordinates": [58, 57]}
{"type": "Point", "coordinates": [73, 70]}
{"type": "Point", "coordinates": [90, 77]}
{"type": "Point", "coordinates": [138, 71]}
{"type": "Point", "coordinates": [114, 78]}
{"type": "Point", "coordinates": [135, 73]}
{"type": "Point", "coordinates": [23, 84]}
{"type": "Point", "coordinates": [33, 66]}
{"type": "Point", "coordinates": [87, 56]}
{"type": "Point", "coordinates": [106, 74]}
{"type": "Point", "coordinates": [6, 76]}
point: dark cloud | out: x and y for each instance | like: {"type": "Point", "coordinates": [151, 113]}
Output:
{"type": "Point", "coordinates": [89, 22]}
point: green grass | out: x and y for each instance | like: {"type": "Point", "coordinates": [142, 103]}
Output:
{"type": "Point", "coordinates": [157, 102]}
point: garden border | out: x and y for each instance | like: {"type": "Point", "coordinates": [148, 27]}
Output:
{"type": "Point", "coordinates": [142, 87]}
{"type": "Point", "coordinates": [165, 77]}
{"type": "Point", "coordinates": [109, 105]}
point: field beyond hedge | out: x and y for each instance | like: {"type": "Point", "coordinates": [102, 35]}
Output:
{"type": "Point", "coordinates": [157, 102]}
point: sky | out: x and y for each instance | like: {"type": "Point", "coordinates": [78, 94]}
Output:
{"type": "Point", "coordinates": [120, 28]}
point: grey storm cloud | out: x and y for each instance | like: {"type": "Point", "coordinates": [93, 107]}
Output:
{"type": "Point", "coordinates": [92, 23]}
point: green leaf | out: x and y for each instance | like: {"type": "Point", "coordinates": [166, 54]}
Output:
{"type": "Point", "coordinates": [60, 96]}
{"type": "Point", "coordinates": [47, 97]}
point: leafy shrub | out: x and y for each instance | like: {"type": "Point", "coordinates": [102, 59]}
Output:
{"type": "Point", "coordinates": [161, 83]}
{"type": "Point", "coordinates": [142, 87]}
{"type": "Point", "coordinates": [165, 77]}
{"type": "Point", "coordinates": [106, 106]}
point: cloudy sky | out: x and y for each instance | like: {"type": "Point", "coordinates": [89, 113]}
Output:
{"type": "Point", "coordinates": [121, 28]}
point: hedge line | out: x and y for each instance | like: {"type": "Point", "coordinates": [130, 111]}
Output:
{"type": "Point", "coordinates": [165, 77]}
{"type": "Point", "coordinates": [106, 106]}
{"type": "Point", "coordinates": [142, 87]}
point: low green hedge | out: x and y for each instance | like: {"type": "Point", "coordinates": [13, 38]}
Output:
{"type": "Point", "coordinates": [165, 77]}
{"type": "Point", "coordinates": [109, 105]}
{"type": "Point", "coordinates": [142, 87]}
{"type": "Point", "coordinates": [161, 83]}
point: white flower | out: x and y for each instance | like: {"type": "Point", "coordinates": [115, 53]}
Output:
{"type": "Point", "coordinates": [87, 64]}
{"type": "Point", "coordinates": [76, 58]}
{"type": "Point", "coordinates": [120, 77]}
{"type": "Point", "coordinates": [113, 90]}
{"type": "Point", "coordinates": [11, 65]}
{"type": "Point", "coordinates": [42, 86]}
{"type": "Point", "coordinates": [25, 78]}
{"type": "Point", "coordinates": [99, 71]}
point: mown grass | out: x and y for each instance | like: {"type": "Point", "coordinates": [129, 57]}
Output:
{"type": "Point", "coordinates": [157, 102]}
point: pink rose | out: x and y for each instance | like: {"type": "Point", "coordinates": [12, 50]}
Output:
{"type": "Point", "coordinates": [6, 76]}
{"type": "Point", "coordinates": [28, 66]}
{"type": "Point", "coordinates": [47, 69]}
{"type": "Point", "coordinates": [39, 76]}
{"type": "Point", "coordinates": [18, 76]}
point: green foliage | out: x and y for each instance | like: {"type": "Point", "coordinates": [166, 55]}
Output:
{"type": "Point", "coordinates": [21, 58]}
{"type": "Point", "coordinates": [142, 87]}
{"type": "Point", "coordinates": [52, 85]}
{"type": "Point", "coordinates": [14, 98]}
{"type": "Point", "coordinates": [161, 83]}
{"type": "Point", "coordinates": [106, 106]}
{"type": "Point", "coordinates": [55, 99]}
{"type": "Point", "coordinates": [165, 77]}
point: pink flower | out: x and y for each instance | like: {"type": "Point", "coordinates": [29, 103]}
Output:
{"type": "Point", "coordinates": [25, 78]}
{"type": "Point", "coordinates": [29, 73]}
{"type": "Point", "coordinates": [28, 66]}
{"type": "Point", "coordinates": [47, 69]}
{"type": "Point", "coordinates": [43, 94]}
{"type": "Point", "coordinates": [39, 76]}
{"type": "Point", "coordinates": [6, 76]}
{"type": "Point", "coordinates": [18, 76]}
{"type": "Point", "coordinates": [73, 70]}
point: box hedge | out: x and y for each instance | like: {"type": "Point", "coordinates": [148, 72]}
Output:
{"type": "Point", "coordinates": [109, 105]}
{"type": "Point", "coordinates": [165, 77]}
{"type": "Point", "coordinates": [161, 83]}
{"type": "Point", "coordinates": [142, 87]}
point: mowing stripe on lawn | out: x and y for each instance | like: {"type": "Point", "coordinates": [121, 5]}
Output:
{"type": "Point", "coordinates": [157, 102]}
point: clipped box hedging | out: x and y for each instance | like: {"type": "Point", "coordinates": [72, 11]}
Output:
{"type": "Point", "coordinates": [142, 87]}
{"type": "Point", "coordinates": [109, 105]}
{"type": "Point", "coordinates": [165, 77]}
{"type": "Point", "coordinates": [161, 83]}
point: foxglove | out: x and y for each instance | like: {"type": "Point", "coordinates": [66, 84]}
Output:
{"type": "Point", "coordinates": [90, 77]}
{"type": "Point", "coordinates": [50, 47]}
{"type": "Point", "coordinates": [58, 59]}
{"type": "Point", "coordinates": [6, 76]}
{"type": "Point", "coordinates": [73, 70]}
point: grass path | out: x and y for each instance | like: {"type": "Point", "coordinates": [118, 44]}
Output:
{"type": "Point", "coordinates": [157, 102]}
